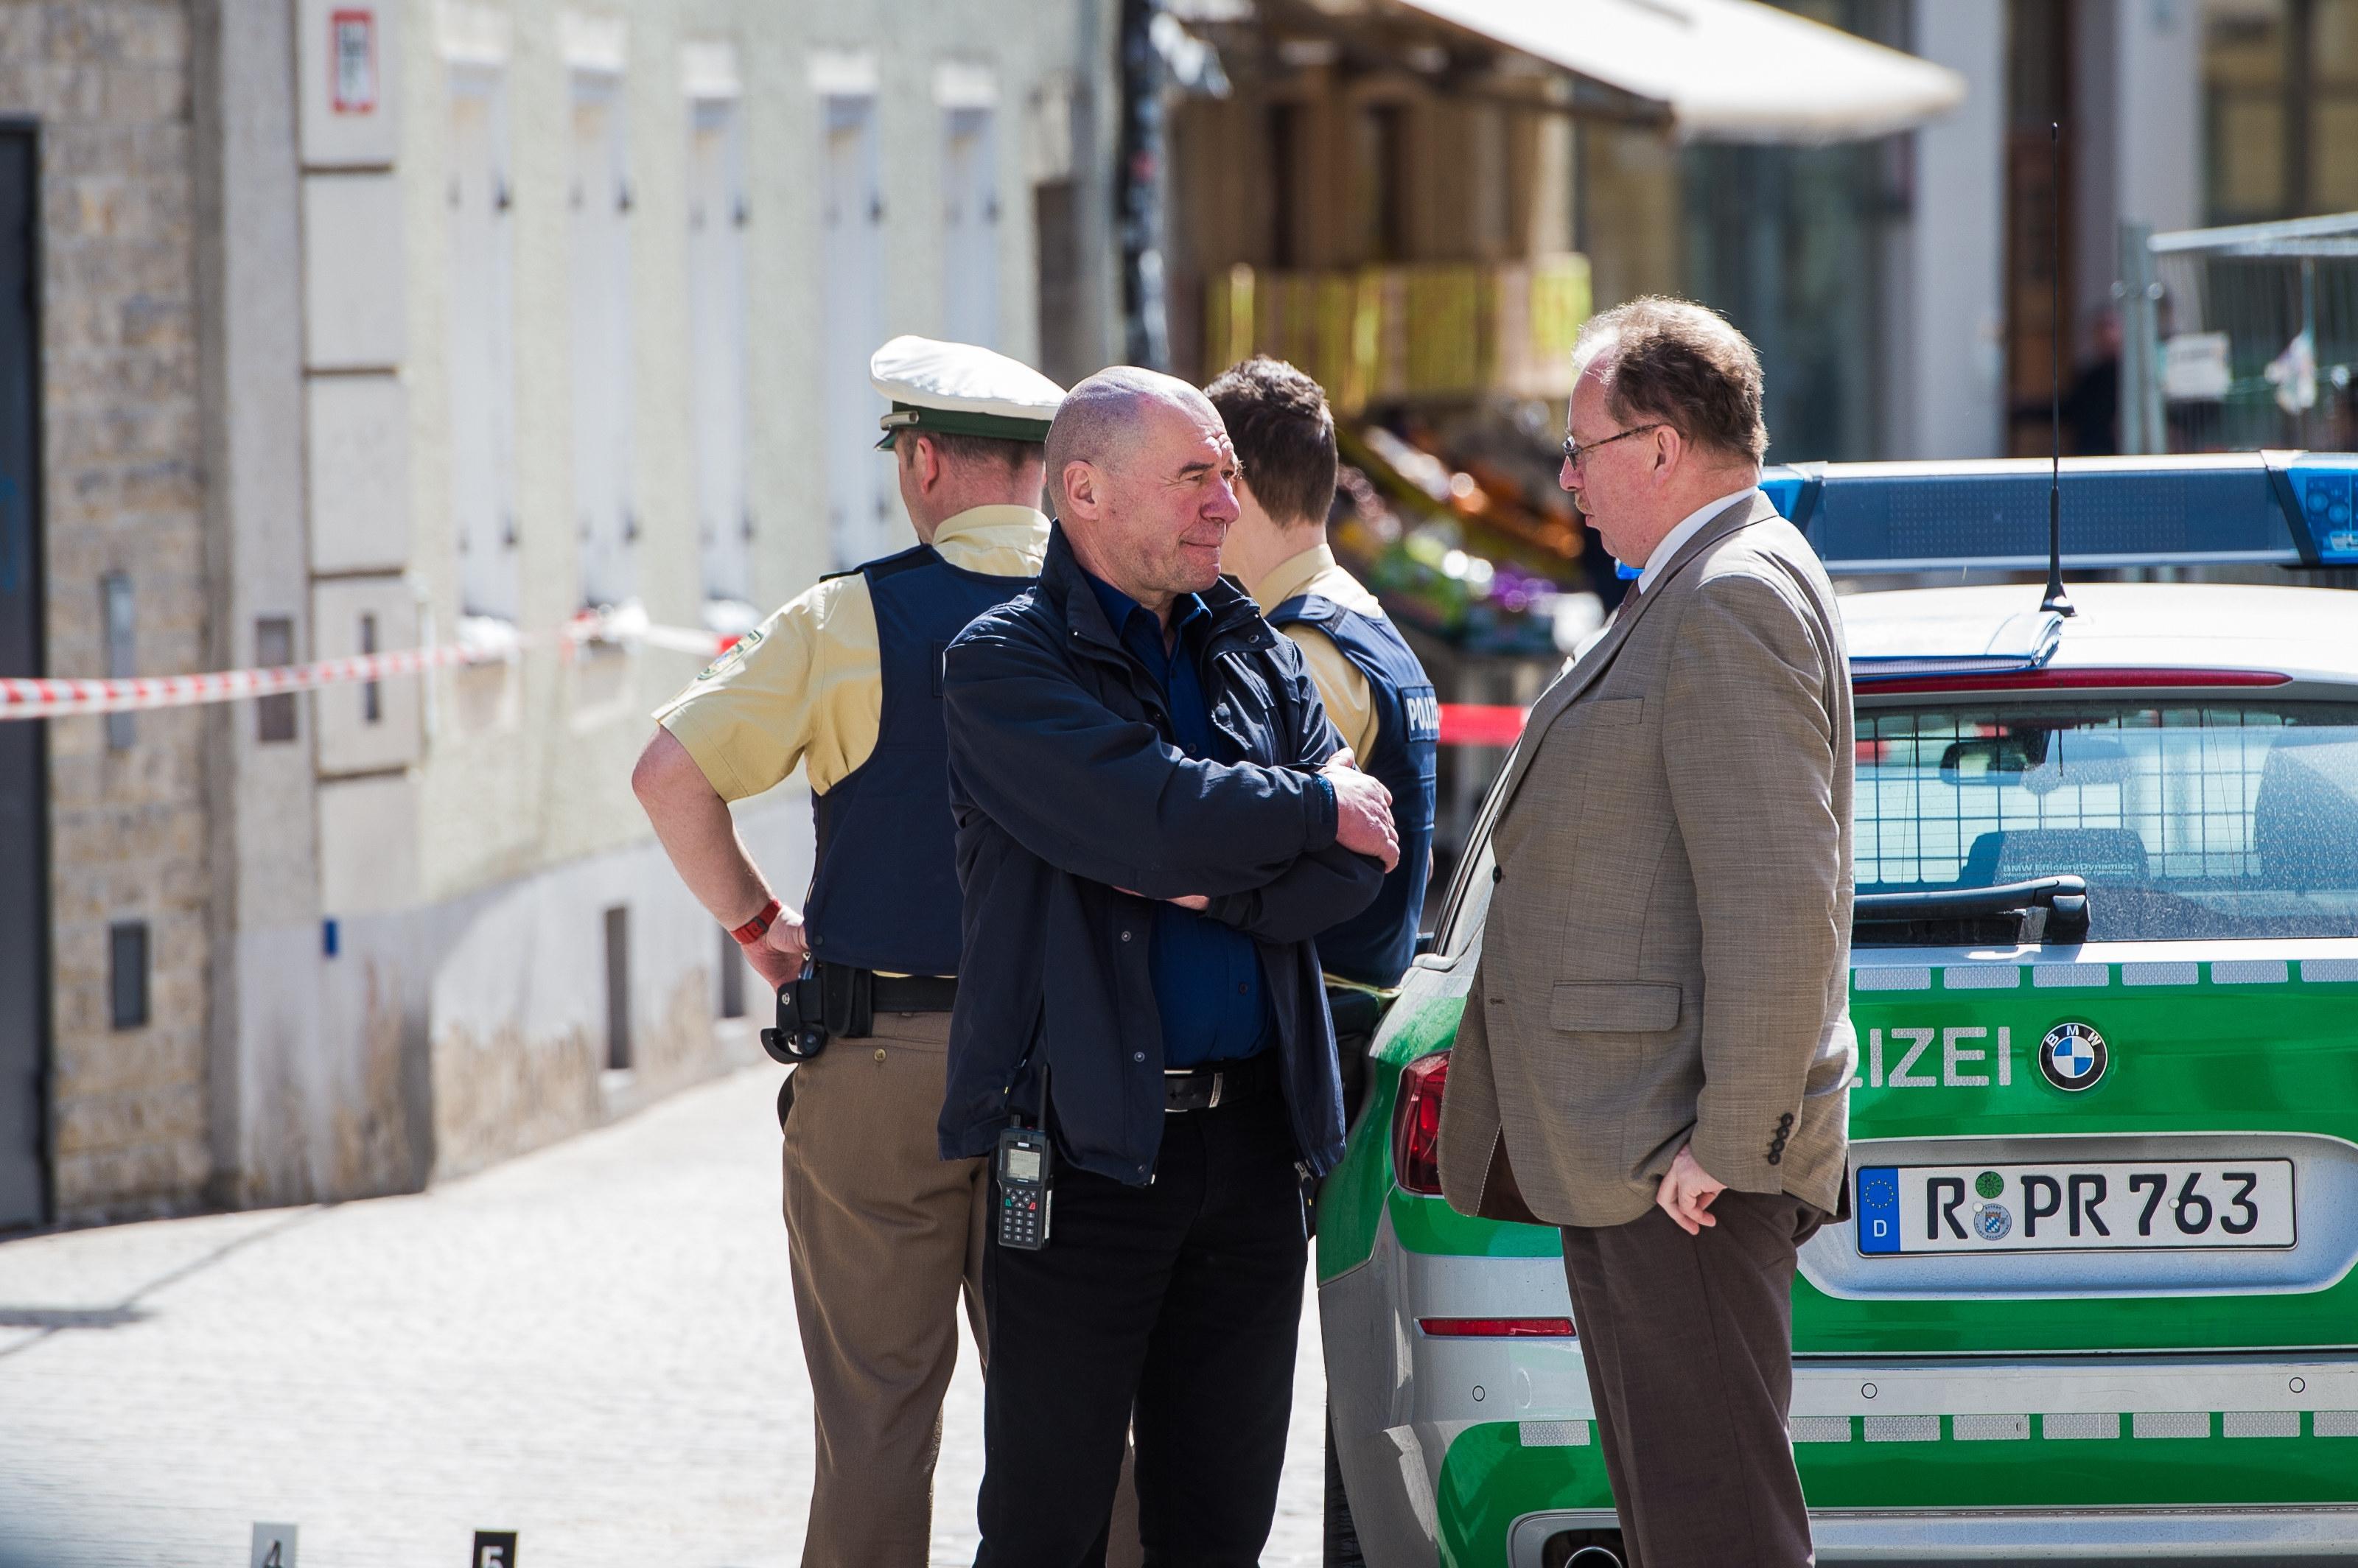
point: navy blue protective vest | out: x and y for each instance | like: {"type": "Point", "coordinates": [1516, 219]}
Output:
{"type": "Point", "coordinates": [884, 894]}
{"type": "Point", "coordinates": [1374, 946]}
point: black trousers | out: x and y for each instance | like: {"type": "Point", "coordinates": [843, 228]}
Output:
{"type": "Point", "coordinates": [1169, 1311]}
{"type": "Point", "coordinates": [1689, 1344]}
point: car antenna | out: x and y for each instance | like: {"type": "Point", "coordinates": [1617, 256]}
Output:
{"type": "Point", "coordinates": [2057, 601]}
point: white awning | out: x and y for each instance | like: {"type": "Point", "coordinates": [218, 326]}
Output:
{"type": "Point", "coordinates": [1728, 71]}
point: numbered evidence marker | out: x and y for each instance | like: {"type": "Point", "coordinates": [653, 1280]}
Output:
{"type": "Point", "coordinates": [494, 1548]}
{"type": "Point", "coordinates": [274, 1546]}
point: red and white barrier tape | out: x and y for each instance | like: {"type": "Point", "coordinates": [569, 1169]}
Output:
{"type": "Point", "coordinates": [43, 699]}
{"type": "Point", "coordinates": [24, 699]}
{"type": "Point", "coordinates": [1462, 724]}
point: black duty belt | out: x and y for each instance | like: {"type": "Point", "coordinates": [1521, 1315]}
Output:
{"type": "Point", "coordinates": [1221, 1083]}
{"type": "Point", "coordinates": [836, 1002]}
{"type": "Point", "coordinates": [913, 993]}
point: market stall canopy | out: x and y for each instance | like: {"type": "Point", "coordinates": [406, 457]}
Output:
{"type": "Point", "coordinates": [1726, 71]}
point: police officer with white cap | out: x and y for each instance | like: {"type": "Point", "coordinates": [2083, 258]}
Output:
{"type": "Point", "coordinates": [882, 1233]}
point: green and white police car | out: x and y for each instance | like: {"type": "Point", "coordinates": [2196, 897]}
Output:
{"type": "Point", "coordinates": [2095, 1298]}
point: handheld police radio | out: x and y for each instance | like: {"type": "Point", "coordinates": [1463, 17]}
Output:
{"type": "Point", "coordinates": [1026, 1166]}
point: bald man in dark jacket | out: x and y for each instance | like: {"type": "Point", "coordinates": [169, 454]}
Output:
{"type": "Point", "coordinates": [1154, 817]}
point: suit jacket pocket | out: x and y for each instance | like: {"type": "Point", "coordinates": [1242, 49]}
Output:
{"type": "Point", "coordinates": [1609, 710]}
{"type": "Point", "coordinates": [1613, 1007]}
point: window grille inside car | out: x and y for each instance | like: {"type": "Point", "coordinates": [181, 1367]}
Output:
{"type": "Point", "coordinates": [2185, 819]}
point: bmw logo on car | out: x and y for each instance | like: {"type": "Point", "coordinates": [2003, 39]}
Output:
{"type": "Point", "coordinates": [2072, 1057]}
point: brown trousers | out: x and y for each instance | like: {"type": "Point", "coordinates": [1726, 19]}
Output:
{"type": "Point", "coordinates": [883, 1237]}
{"type": "Point", "coordinates": [1689, 1345]}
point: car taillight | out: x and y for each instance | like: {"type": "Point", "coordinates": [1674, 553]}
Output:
{"type": "Point", "coordinates": [1416, 1125]}
{"type": "Point", "coordinates": [1497, 1327]}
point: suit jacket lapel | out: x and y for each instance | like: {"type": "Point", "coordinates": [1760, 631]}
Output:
{"type": "Point", "coordinates": [1567, 686]}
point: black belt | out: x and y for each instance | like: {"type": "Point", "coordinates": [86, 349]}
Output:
{"type": "Point", "coordinates": [913, 993]}
{"type": "Point", "coordinates": [836, 1003]}
{"type": "Point", "coordinates": [1219, 1083]}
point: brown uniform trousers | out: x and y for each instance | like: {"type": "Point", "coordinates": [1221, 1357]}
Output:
{"type": "Point", "coordinates": [884, 1237]}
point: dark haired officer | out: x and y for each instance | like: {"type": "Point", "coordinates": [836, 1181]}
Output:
{"type": "Point", "coordinates": [845, 680]}
{"type": "Point", "coordinates": [1377, 695]}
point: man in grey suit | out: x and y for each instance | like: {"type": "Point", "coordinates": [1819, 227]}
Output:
{"type": "Point", "coordinates": [1657, 1057]}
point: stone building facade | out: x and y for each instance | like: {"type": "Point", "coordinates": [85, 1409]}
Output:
{"type": "Point", "coordinates": [368, 324]}
{"type": "Point", "coordinates": [102, 90]}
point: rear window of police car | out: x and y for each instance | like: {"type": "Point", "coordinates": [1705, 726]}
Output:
{"type": "Point", "coordinates": [2189, 819]}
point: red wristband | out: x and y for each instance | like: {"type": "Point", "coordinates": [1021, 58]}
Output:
{"type": "Point", "coordinates": [750, 932]}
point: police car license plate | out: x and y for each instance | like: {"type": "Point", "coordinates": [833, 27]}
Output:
{"type": "Point", "coordinates": [2150, 1205]}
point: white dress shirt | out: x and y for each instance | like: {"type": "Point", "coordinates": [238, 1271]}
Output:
{"type": "Point", "coordinates": [1685, 531]}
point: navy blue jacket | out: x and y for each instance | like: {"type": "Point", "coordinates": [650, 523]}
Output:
{"type": "Point", "coordinates": [1065, 787]}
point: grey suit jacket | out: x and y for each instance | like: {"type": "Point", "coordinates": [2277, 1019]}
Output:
{"type": "Point", "coordinates": [1665, 958]}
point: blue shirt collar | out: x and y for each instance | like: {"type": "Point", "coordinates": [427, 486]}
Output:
{"type": "Point", "coordinates": [1120, 607]}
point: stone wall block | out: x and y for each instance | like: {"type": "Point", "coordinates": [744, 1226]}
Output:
{"type": "Point", "coordinates": [117, 1119]}
{"type": "Point", "coordinates": [136, 93]}
{"type": "Point", "coordinates": [134, 1182]}
{"type": "Point", "coordinates": [168, 484]}
{"type": "Point", "coordinates": [148, 322]}
{"type": "Point", "coordinates": [102, 375]}
{"type": "Point", "coordinates": [150, 33]}
{"type": "Point", "coordinates": [77, 150]}
{"type": "Point", "coordinates": [48, 92]}
{"type": "Point", "coordinates": [131, 1058]}
{"type": "Point", "coordinates": [23, 29]}
{"type": "Point", "coordinates": [81, 207]}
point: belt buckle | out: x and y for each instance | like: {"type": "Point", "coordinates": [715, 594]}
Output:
{"type": "Point", "coordinates": [1220, 1079]}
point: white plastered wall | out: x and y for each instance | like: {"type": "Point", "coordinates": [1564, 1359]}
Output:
{"type": "Point", "coordinates": [472, 838]}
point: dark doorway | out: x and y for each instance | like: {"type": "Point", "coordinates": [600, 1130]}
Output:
{"type": "Point", "coordinates": [24, 761]}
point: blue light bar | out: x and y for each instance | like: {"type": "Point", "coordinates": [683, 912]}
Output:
{"type": "Point", "coordinates": [2291, 509]}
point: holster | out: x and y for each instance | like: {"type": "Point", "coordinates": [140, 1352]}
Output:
{"type": "Point", "coordinates": [847, 1001]}
{"type": "Point", "coordinates": [830, 1003]}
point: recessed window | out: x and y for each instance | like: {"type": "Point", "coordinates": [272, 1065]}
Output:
{"type": "Point", "coordinates": [618, 987]}
{"type": "Point", "coordinates": [274, 648]}
{"type": "Point", "coordinates": [127, 974]}
{"type": "Point", "coordinates": [597, 252]}
{"type": "Point", "coordinates": [120, 619]}
{"type": "Point", "coordinates": [371, 692]}
{"type": "Point", "coordinates": [859, 512]}
{"type": "Point", "coordinates": [715, 308]}
{"type": "Point", "coordinates": [970, 228]}
{"type": "Point", "coordinates": [481, 286]}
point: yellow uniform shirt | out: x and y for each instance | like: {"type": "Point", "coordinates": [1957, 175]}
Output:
{"type": "Point", "coordinates": [806, 686]}
{"type": "Point", "coordinates": [1340, 684]}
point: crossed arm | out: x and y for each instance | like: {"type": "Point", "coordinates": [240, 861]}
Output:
{"type": "Point", "coordinates": [1269, 850]}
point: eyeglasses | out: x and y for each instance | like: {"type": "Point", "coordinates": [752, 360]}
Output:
{"type": "Point", "coordinates": [1576, 454]}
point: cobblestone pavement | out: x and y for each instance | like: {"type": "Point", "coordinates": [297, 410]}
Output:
{"type": "Point", "coordinates": [594, 1345]}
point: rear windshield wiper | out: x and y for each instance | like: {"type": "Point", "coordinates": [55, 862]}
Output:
{"type": "Point", "coordinates": [2045, 909]}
